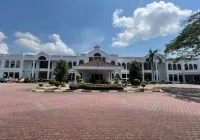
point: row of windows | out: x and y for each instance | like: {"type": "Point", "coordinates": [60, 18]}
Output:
{"type": "Point", "coordinates": [11, 74]}
{"type": "Point", "coordinates": [147, 66]}
{"type": "Point", "coordinates": [12, 64]}
{"type": "Point", "coordinates": [178, 66]}
{"type": "Point", "coordinates": [174, 77]}
{"type": "Point", "coordinates": [74, 63]}
{"type": "Point", "coordinates": [191, 67]}
{"type": "Point", "coordinates": [174, 67]}
{"type": "Point", "coordinates": [97, 58]}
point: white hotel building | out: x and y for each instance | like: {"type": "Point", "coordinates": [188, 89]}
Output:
{"type": "Point", "coordinates": [95, 65]}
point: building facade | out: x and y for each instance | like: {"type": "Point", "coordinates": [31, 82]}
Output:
{"type": "Point", "coordinates": [96, 65]}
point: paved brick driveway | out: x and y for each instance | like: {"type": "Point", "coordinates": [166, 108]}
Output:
{"type": "Point", "coordinates": [27, 115]}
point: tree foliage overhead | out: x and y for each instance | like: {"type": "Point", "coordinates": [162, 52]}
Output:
{"type": "Point", "coordinates": [187, 43]}
{"type": "Point", "coordinates": [61, 71]}
{"type": "Point", "coordinates": [152, 56]}
{"type": "Point", "coordinates": [135, 71]}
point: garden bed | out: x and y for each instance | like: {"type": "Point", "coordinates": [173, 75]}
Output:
{"type": "Point", "coordinates": [88, 86]}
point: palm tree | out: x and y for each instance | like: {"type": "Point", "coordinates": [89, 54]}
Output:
{"type": "Point", "coordinates": [152, 56]}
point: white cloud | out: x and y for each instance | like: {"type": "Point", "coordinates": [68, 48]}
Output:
{"type": "Point", "coordinates": [156, 19]}
{"type": "Point", "coordinates": [88, 38]}
{"type": "Point", "coordinates": [3, 46]}
{"type": "Point", "coordinates": [27, 40]}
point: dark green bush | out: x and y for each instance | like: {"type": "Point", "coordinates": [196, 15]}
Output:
{"type": "Point", "coordinates": [41, 85]}
{"type": "Point", "coordinates": [52, 82]}
{"type": "Point", "coordinates": [43, 80]}
{"type": "Point", "coordinates": [63, 84]}
{"type": "Point", "coordinates": [34, 80]}
{"type": "Point", "coordinates": [143, 85]}
{"type": "Point", "coordinates": [56, 83]}
{"type": "Point", "coordinates": [96, 86]}
{"type": "Point", "coordinates": [136, 82]}
{"type": "Point", "coordinates": [168, 82]}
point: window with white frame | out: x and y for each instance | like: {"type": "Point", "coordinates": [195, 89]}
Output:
{"type": "Point", "coordinates": [195, 66]}
{"type": "Point", "coordinates": [170, 77]}
{"type": "Point", "coordinates": [7, 63]}
{"type": "Point", "coordinates": [12, 64]}
{"type": "Point", "coordinates": [18, 64]}
{"type": "Point", "coordinates": [179, 66]}
{"type": "Point", "coordinates": [169, 66]}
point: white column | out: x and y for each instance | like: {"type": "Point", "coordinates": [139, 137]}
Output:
{"type": "Point", "coordinates": [184, 78]}
{"type": "Point", "coordinates": [9, 63]}
{"type": "Point", "coordinates": [178, 78]}
{"type": "Point", "coordinates": [167, 77]}
{"type": "Point", "coordinates": [156, 71]}
{"type": "Point", "coordinates": [48, 72]}
{"type": "Point", "coordinates": [71, 76]}
{"type": "Point", "coordinates": [75, 77]}
{"type": "Point", "coordinates": [166, 65]}
{"type": "Point", "coordinates": [15, 64]}
{"type": "Point", "coordinates": [142, 71]}
{"type": "Point", "coordinates": [33, 68]}
{"type": "Point", "coordinates": [198, 63]}
{"type": "Point", "coordinates": [152, 77]}
{"type": "Point", "coordinates": [120, 74]}
{"type": "Point", "coordinates": [3, 64]}
{"type": "Point", "coordinates": [109, 77]}
{"type": "Point", "coordinates": [21, 68]}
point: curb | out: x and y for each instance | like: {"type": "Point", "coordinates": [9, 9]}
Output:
{"type": "Point", "coordinates": [93, 91]}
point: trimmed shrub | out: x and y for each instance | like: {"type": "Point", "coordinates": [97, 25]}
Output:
{"type": "Point", "coordinates": [57, 84]}
{"type": "Point", "coordinates": [43, 80]}
{"type": "Point", "coordinates": [136, 82]}
{"type": "Point", "coordinates": [143, 85]}
{"type": "Point", "coordinates": [81, 80]}
{"type": "Point", "coordinates": [52, 82]}
{"type": "Point", "coordinates": [168, 82]}
{"type": "Point", "coordinates": [96, 86]}
{"type": "Point", "coordinates": [41, 85]}
{"type": "Point", "coordinates": [34, 80]}
{"type": "Point", "coordinates": [78, 77]}
{"type": "Point", "coordinates": [63, 84]}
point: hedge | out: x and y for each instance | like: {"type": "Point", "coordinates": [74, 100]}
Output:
{"type": "Point", "coordinates": [56, 83]}
{"type": "Point", "coordinates": [96, 86]}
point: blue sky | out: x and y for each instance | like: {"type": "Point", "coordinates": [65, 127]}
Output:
{"type": "Point", "coordinates": [78, 25]}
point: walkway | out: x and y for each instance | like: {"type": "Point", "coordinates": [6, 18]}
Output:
{"type": "Point", "coordinates": [28, 115]}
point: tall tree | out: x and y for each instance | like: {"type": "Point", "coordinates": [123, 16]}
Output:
{"type": "Point", "coordinates": [61, 71]}
{"type": "Point", "coordinates": [187, 43]}
{"type": "Point", "coordinates": [135, 71]}
{"type": "Point", "coordinates": [152, 56]}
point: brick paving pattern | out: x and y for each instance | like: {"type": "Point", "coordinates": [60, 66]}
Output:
{"type": "Point", "coordinates": [63, 116]}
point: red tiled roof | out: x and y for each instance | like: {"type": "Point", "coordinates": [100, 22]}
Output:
{"type": "Point", "coordinates": [97, 63]}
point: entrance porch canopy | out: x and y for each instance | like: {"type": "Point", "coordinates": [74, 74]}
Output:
{"type": "Point", "coordinates": [98, 67]}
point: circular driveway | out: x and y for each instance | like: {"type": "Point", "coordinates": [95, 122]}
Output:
{"type": "Point", "coordinates": [29, 115]}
